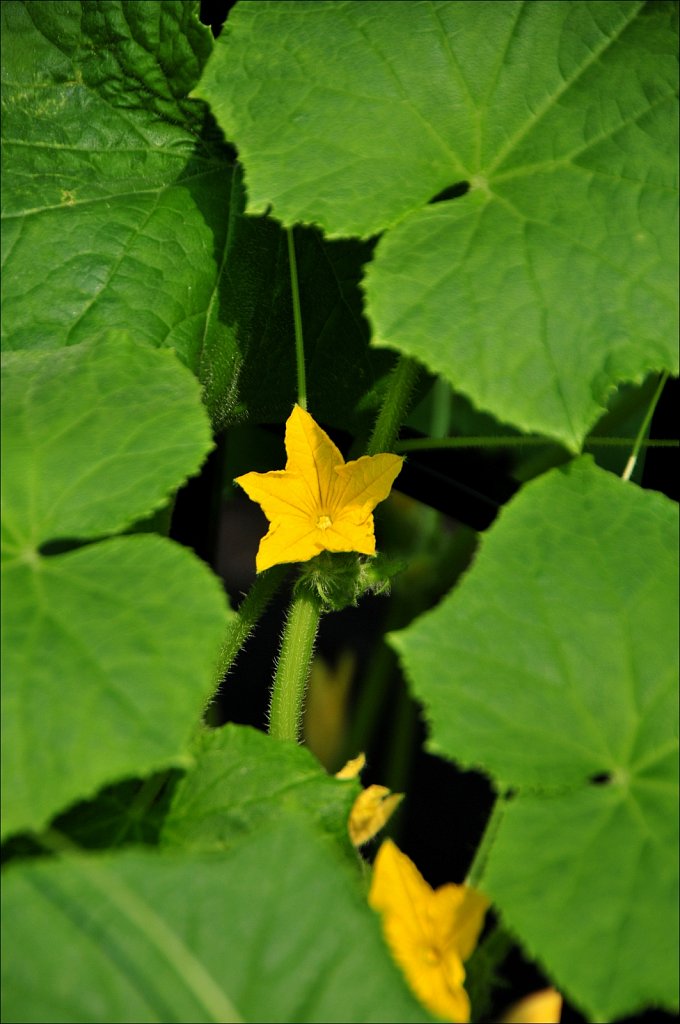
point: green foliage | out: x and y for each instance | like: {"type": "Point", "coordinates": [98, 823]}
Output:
{"type": "Point", "coordinates": [553, 667]}
{"type": "Point", "coordinates": [273, 930]}
{"type": "Point", "coordinates": [242, 780]}
{"type": "Point", "coordinates": [123, 207]}
{"type": "Point", "coordinates": [553, 279]}
{"type": "Point", "coordinates": [147, 302]}
{"type": "Point", "coordinates": [74, 468]}
{"type": "Point", "coordinates": [110, 647]}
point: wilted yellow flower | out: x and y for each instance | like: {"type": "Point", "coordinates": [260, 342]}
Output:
{"type": "Point", "coordinates": [429, 931]}
{"type": "Point", "coordinates": [372, 809]}
{"type": "Point", "coordinates": [353, 768]}
{"type": "Point", "coordinates": [318, 502]}
{"type": "Point", "coordinates": [544, 1007]}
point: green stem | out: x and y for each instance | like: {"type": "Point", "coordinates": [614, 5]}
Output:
{"type": "Point", "coordinates": [246, 618]}
{"type": "Point", "coordinates": [440, 417]}
{"type": "Point", "coordinates": [429, 443]}
{"type": "Point", "coordinates": [478, 865]}
{"type": "Point", "coordinates": [297, 317]}
{"type": "Point", "coordinates": [146, 795]}
{"type": "Point", "coordinates": [644, 426]}
{"type": "Point", "coordinates": [395, 406]}
{"type": "Point", "coordinates": [292, 671]}
{"type": "Point", "coordinates": [483, 979]}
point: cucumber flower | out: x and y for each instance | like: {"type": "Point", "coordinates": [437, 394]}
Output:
{"type": "Point", "coordinates": [430, 932]}
{"type": "Point", "coordinates": [318, 502]}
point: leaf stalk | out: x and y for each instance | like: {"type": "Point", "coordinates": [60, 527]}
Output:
{"type": "Point", "coordinates": [247, 616]}
{"type": "Point", "coordinates": [394, 407]}
{"type": "Point", "coordinates": [478, 866]}
{"type": "Point", "coordinates": [644, 427]}
{"type": "Point", "coordinates": [297, 318]}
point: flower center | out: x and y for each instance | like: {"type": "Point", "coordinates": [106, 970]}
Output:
{"type": "Point", "coordinates": [431, 956]}
{"type": "Point", "coordinates": [323, 522]}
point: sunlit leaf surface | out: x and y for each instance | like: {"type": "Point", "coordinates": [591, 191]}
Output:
{"type": "Point", "coordinates": [275, 930]}
{"type": "Point", "coordinates": [553, 667]}
{"type": "Point", "coordinates": [553, 277]}
{"type": "Point", "coordinates": [108, 648]}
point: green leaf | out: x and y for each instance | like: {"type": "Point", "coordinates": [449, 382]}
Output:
{"type": "Point", "coordinates": [553, 278]}
{"type": "Point", "coordinates": [117, 195]}
{"type": "Point", "coordinates": [98, 436]}
{"type": "Point", "coordinates": [553, 667]}
{"type": "Point", "coordinates": [364, 135]}
{"type": "Point", "coordinates": [109, 182]}
{"type": "Point", "coordinates": [242, 779]}
{"type": "Point", "coordinates": [274, 930]}
{"type": "Point", "coordinates": [108, 663]}
{"type": "Point", "coordinates": [122, 208]}
{"type": "Point", "coordinates": [109, 649]}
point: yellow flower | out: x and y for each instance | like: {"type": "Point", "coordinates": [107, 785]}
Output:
{"type": "Point", "coordinates": [371, 810]}
{"type": "Point", "coordinates": [318, 502]}
{"type": "Point", "coordinates": [544, 1007]}
{"type": "Point", "coordinates": [429, 931]}
{"type": "Point", "coordinates": [353, 768]}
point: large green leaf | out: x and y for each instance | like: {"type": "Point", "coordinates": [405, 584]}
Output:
{"type": "Point", "coordinates": [553, 278]}
{"type": "Point", "coordinates": [274, 930]}
{"type": "Point", "coordinates": [109, 649]}
{"type": "Point", "coordinates": [553, 667]}
{"type": "Point", "coordinates": [97, 437]}
{"type": "Point", "coordinates": [242, 779]}
{"type": "Point", "coordinates": [109, 185]}
{"type": "Point", "coordinates": [123, 208]}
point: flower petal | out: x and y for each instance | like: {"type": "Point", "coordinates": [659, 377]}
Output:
{"type": "Point", "coordinates": [398, 889]}
{"type": "Point", "coordinates": [458, 915]}
{"type": "Point", "coordinates": [347, 535]}
{"type": "Point", "coordinates": [371, 810]}
{"type": "Point", "coordinates": [353, 768]}
{"type": "Point", "coordinates": [365, 481]}
{"type": "Point", "coordinates": [280, 493]}
{"type": "Point", "coordinates": [288, 540]}
{"type": "Point", "coordinates": [312, 455]}
{"type": "Point", "coordinates": [438, 983]}
{"type": "Point", "coordinates": [470, 920]}
{"type": "Point", "coordinates": [544, 1007]}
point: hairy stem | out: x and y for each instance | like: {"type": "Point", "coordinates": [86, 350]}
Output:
{"type": "Point", "coordinates": [249, 613]}
{"type": "Point", "coordinates": [395, 406]}
{"type": "Point", "coordinates": [292, 671]}
{"type": "Point", "coordinates": [297, 317]}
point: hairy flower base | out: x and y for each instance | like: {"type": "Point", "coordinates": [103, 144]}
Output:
{"type": "Point", "coordinates": [430, 931]}
{"type": "Point", "coordinates": [318, 502]}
